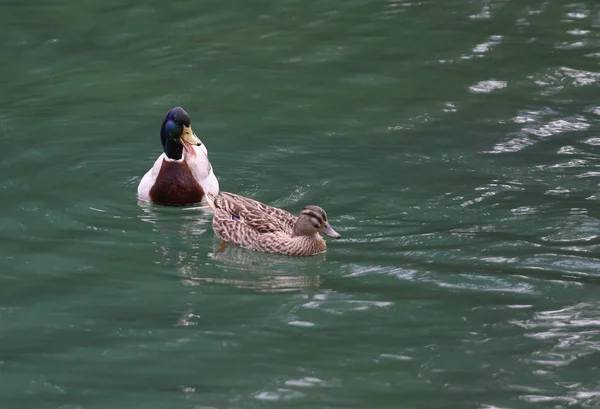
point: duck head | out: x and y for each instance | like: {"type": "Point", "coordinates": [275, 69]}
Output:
{"type": "Point", "coordinates": [313, 219]}
{"type": "Point", "coordinates": [176, 135]}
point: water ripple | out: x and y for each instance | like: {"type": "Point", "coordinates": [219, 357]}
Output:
{"type": "Point", "coordinates": [536, 126]}
{"type": "Point", "coordinates": [572, 336]}
{"type": "Point", "coordinates": [487, 86]}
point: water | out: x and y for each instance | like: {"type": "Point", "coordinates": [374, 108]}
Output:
{"type": "Point", "coordinates": [452, 143]}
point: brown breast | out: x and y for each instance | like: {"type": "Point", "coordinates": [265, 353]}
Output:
{"type": "Point", "coordinates": [175, 185]}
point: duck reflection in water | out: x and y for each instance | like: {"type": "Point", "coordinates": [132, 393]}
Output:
{"type": "Point", "coordinates": [179, 231]}
{"type": "Point", "coordinates": [265, 272]}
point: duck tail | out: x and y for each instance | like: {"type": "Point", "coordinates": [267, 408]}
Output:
{"type": "Point", "coordinates": [210, 199]}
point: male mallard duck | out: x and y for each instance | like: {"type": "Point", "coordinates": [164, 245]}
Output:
{"type": "Point", "coordinates": [255, 225]}
{"type": "Point", "coordinates": [182, 175]}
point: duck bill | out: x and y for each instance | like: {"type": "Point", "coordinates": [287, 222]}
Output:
{"type": "Point", "coordinates": [189, 140]}
{"type": "Point", "coordinates": [330, 232]}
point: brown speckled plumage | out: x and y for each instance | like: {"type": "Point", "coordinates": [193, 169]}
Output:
{"type": "Point", "coordinates": [255, 225]}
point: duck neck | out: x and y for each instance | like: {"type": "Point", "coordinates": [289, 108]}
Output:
{"type": "Point", "coordinates": [297, 232]}
{"type": "Point", "coordinates": [299, 235]}
{"type": "Point", "coordinates": [307, 245]}
{"type": "Point", "coordinates": [173, 149]}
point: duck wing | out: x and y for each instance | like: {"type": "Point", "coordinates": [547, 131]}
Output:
{"type": "Point", "coordinates": [259, 216]}
{"type": "Point", "coordinates": [227, 223]}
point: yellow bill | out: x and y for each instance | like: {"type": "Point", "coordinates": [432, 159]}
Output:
{"type": "Point", "coordinates": [189, 140]}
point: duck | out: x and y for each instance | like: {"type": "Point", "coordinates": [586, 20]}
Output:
{"type": "Point", "coordinates": [254, 225]}
{"type": "Point", "coordinates": [182, 175]}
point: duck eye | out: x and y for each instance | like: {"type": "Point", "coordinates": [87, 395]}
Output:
{"type": "Point", "coordinates": [316, 226]}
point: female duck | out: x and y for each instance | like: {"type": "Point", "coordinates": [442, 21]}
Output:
{"type": "Point", "coordinates": [257, 226]}
{"type": "Point", "coordinates": [182, 175]}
